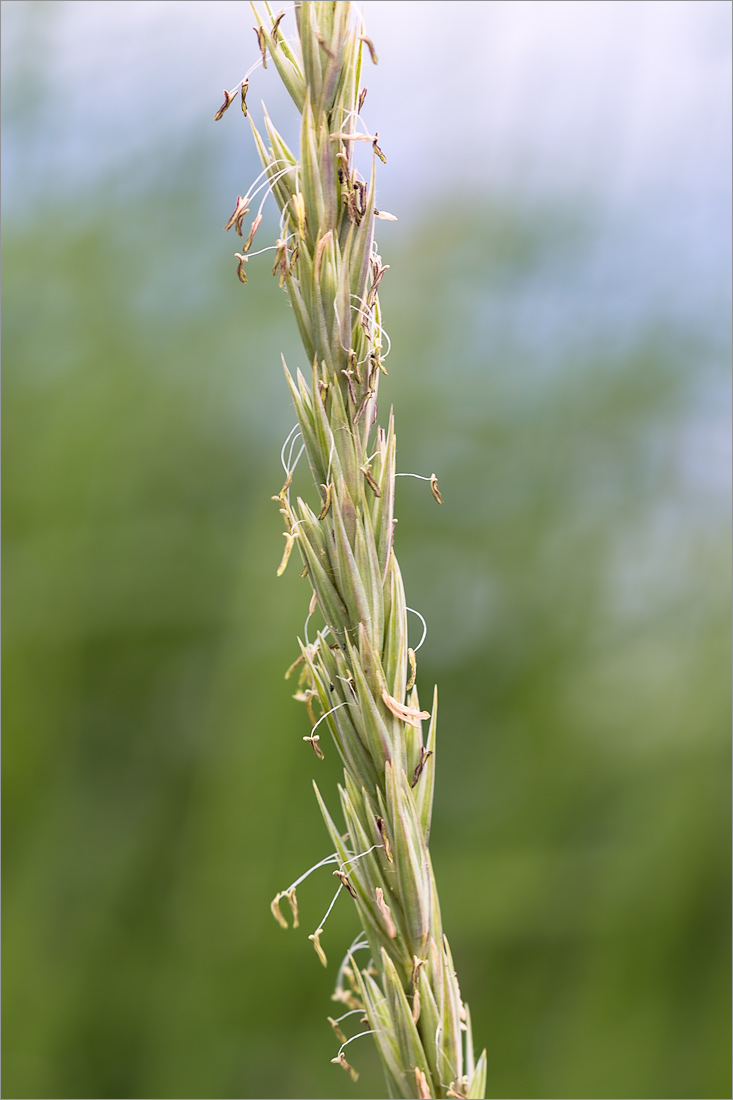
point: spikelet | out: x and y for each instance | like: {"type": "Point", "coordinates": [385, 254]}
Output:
{"type": "Point", "coordinates": [359, 671]}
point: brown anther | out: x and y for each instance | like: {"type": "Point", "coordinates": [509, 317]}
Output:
{"type": "Point", "coordinates": [370, 46]}
{"type": "Point", "coordinates": [262, 43]}
{"type": "Point", "coordinates": [287, 552]}
{"type": "Point", "coordinates": [434, 488]}
{"type": "Point", "coordinates": [363, 406]}
{"type": "Point", "coordinates": [293, 903]}
{"type": "Point", "coordinates": [354, 364]}
{"type": "Point", "coordinates": [350, 204]}
{"type": "Point", "coordinates": [243, 97]}
{"type": "Point", "coordinates": [345, 882]}
{"type": "Point", "coordinates": [386, 914]}
{"type": "Point", "coordinates": [417, 965]}
{"type": "Point", "coordinates": [365, 319]}
{"type": "Point", "coordinates": [360, 198]}
{"type": "Point", "coordinates": [274, 32]}
{"type": "Point", "coordinates": [377, 275]}
{"type": "Point", "coordinates": [339, 1033]}
{"type": "Point", "coordinates": [281, 260]}
{"type": "Point", "coordinates": [275, 910]}
{"type": "Point", "coordinates": [309, 696]}
{"type": "Point", "coordinates": [341, 1061]}
{"type": "Point", "coordinates": [320, 249]}
{"type": "Point", "coordinates": [349, 376]}
{"type": "Point", "coordinates": [316, 941]}
{"type": "Point", "coordinates": [240, 210]}
{"type": "Point", "coordinates": [413, 670]}
{"type": "Point", "coordinates": [377, 150]}
{"type": "Point", "coordinates": [325, 47]}
{"type": "Point", "coordinates": [228, 99]}
{"type": "Point", "coordinates": [367, 472]}
{"type": "Point", "coordinates": [240, 266]}
{"type": "Point", "coordinates": [381, 829]}
{"type": "Point", "coordinates": [250, 236]}
{"type": "Point", "coordinates": [314, 739]}
{"type": "Point", "coordinates": [424, 756]}
{"type": "Point", "coordinates": [362, 97]}
{"type": "Point", "coordinates": [327, 502]}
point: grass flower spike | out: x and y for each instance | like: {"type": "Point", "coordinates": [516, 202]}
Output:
{"type": "Point", "coordinates": [357, 677]}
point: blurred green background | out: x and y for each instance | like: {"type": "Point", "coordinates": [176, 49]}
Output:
{"type": "Point", "coordinates": [157, 792]}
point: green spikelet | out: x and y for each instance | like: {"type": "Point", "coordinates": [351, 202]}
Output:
{"type": "Point", "coordinates": [359, 670]}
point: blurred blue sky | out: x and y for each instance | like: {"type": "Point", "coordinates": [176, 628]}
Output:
{"type": "Point", "coordinates": [620, 97]}
{"type": "Point", "coordinates": [623, 105]}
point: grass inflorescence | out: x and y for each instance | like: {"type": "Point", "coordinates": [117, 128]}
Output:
{"type": "Point", "coordinates": [357, 677]}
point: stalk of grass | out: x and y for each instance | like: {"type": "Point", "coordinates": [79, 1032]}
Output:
{"type": "Point", "coordinates": [358, 673]}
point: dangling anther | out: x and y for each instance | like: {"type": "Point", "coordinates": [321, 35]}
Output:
{"type": "Point", "coordinates": [228, 99]}
{"type": "Point", "coordinates": [240, 267]}
{"type": "Point", "coordinates": [425, 754]}
{"type": "Point", "coordinates": [290, 537]}
{"type": "Point", "coordinates": [240, 210]}
{"type": "Point", "coordinates": [337, 1030]}
{"type": "Point", "coordinates": [370, 46]}
{"type": "Point", "coordinates": [385, 839]}
{"type": "Point", "coordinates": [262, 43]}
{"type": "Point", "coordinates": [434, 488]}
{"type": "Point", "coordinates": [340, 1060]}
{"type": "Point", "coordinates": [316, 941]}
{"type": "Point", "coordinates": [327, 502]}
{"type": "Point", "coordinates": [251, 235]}
{"type": "Point", "coordinates": [343, 879]}
{"type": "Point", "coordinates": [367, 472]}
{"type": "Point", "coordinates": [314, 739]}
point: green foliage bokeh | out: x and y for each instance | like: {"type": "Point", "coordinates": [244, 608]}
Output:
{"type": "Point", "coordinates": [157, 791]}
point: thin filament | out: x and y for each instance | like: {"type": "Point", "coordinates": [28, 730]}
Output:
{"type": "Point", "coordinates": [424, 624]}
